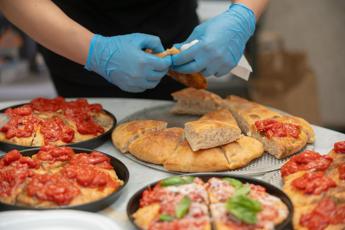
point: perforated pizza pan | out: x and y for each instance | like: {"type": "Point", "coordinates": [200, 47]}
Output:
{"type": "Point", "coordinates": [119, 167]}
{"type": "Point", "coordinates": [261, 165]}
{"type": "Point", "coordinates": [91, 143]}
{"type": "Point", "coordinates": [134, 202]}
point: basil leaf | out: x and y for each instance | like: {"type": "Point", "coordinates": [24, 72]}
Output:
{"type": "Point", "coordinates": [234, 182]}
{"type": "Point", "coordinates": [243, 208]}
{"type": "Point", "coordinates": [182, 207]}
{"type": "Point", "coordinates": [177, 180]}
{"type": "Point", "coordinates": [243, 190]}
{"type": "Point", "coordinates": [166, 218]}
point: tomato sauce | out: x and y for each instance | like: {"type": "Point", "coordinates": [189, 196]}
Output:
{"type": "Point", "coordinates": [305, 161]}
{"type": "Point", "coordinates": [272, 128]}
{"type": "Point", "coordinates": [339, 147]}
{"type": "Point", "coordinates": [313, 183]}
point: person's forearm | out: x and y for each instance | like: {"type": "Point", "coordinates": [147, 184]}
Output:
{"type": "Point", "coordinates": [49, 26]}
{"type": "Point", "coordinates": [257, 6]}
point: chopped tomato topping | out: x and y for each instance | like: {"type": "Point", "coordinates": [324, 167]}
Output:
{"type": "Point", "coordinates": [11, 156]}
{"type": "Point", "coordinates": [326, 212]}
{"type": "Point", "coordinates": [55, 188]}
{"type": "Point", "coordinates": [305, 161]}
{"type": "Point", "coordinates": [47, 105]}
{"type": "Point", "coordinates": [313, 183]}
{"type": "Point", "coordinates": [24, 110]}
{"type": "Point", "coordinates": [339, 147]}
{"type": "Point", "coordinates": [20, 126]}
{"type": "Point", "coordinates": [55, 129]}
{"type": "Point", "coordinates": [52, 153]}
{"type": "Point", "coordinates": [341, 171]}
{"type": "Point", "coordinates": [95, 158]}
{"type": "Point", "coordinates": [272, 128]}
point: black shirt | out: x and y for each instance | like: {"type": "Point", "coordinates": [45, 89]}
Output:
{"type": "Point", "coordinates": [171, 20]}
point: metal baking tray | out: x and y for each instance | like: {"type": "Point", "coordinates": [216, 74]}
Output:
{"type": "Point", "coordinates": [91, 143]}
{"type": "Point", "coordinates": [133, 203]}
{"type": "Point", "coordinates": [262, 165]}
{"type": "Point", "coordinates": [119, 167]}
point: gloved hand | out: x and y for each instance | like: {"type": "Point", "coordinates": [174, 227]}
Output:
{"type": "Point", "coordinates": [122, 61]}
{"type": "Point", "coordinates": [222, 40]}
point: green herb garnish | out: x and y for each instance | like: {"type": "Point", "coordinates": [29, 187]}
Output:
{"type": "Point", "coordinates": [177, 180]}
{"type": "Point", "coordinates": [243, 208]}
{"type": "Point", "coordinates": [166, 218]}
{"type": "Point", "coordinates": [243, 190]}
{"type": "Point", "coordinates": [234, 182]}
{"type": "Point", "coordinates": [182, 207]}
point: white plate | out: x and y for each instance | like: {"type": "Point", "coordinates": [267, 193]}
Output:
{"type": "Point", "coordinates": [55, 220]}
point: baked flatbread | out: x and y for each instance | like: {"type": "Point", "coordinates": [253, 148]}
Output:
{"type": "Point", "coordinates": [196, 101]}
{"type": "Point", "coordinates": [184, 159]}
{"type": "Point", "coordinates": [127, 132]}
{"type": "Point", "coordinates": [155, 147]}
{"type": "Point", "coordinates": [194, 80]}
{"type": "Point", "coordinates": [242, 151]}
{"type": "Point", "coordinates": [211, 130]}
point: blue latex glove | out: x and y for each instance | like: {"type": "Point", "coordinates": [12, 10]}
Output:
{"type": "Point", "coordinates": [122, 61]}
{"type": "Point", "coordinates": [222, 40]}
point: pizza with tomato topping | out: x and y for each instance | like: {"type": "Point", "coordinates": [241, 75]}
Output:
{"type": "Point", "coordinates": [187, 202]}
{"type": "Point", "coordinates": [56, 176]}
{"type": "Point", "coordinates": [54, 122]}
{"type": "Point", "coordinates": [316, 185]}
{"type": "Point", "coordinates": [281, 135]}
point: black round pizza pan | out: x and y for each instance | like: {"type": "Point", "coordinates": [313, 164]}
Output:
{"type": "Point", "coordinates": [133, 203]}
{"type": "Point", "coordinates": [120, 169]}
{"type": "Point", "coordinates": [91, 143]}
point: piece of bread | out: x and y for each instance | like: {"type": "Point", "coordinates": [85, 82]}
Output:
{"type": "Point", "coordinates": [127, 132]}
{"type": "Point", "coordinates": [184, 159]}
{"type": "Point", "coordinates": [247, 113]}
{"type": "Point", "coordinates": [281, 147]}
{"type": "Point", "coordinates": [213, 129]}
{"type": "Point", "coordinates": [145, 215]}
{"type": "Point", "coordinates": [196, 102]}
{"type": "Point", "coordinates": [242, 151]}
{"type": "Point", "coordinates": [156, 147]}
{"type": "Point", "coordinates": [194, 80]}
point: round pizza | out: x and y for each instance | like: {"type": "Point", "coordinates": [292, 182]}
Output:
{"type": "Point", "coordinates": [187, 202]}
{"type": "Point", "coordinates": [54, 122]}
{"type": "Point", "coordinates": [56, 176]}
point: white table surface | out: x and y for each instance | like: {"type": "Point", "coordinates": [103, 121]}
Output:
{"type": "Point", "coordinates": [141, 175]}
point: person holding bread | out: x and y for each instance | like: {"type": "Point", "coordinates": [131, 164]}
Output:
{"type": "Point", "coordinates": [97, 48]}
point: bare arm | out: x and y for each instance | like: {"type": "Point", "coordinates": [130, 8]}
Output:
{"type": "Point", "coordinates": [257, 6]}
{"type": "Point", "coordinates": [49, 26]}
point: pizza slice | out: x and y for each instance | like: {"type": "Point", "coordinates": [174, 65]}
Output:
{"type": "Point", "coordinates": [156, 147]}
{"type": "Point", "coordinates": [184, 159]}
{"type": "Point", "coordinates": [196, 101]}
{"type": "Point", "coordinates": [235, 205]}
{"type": "Point", "coordinates": [127, 132]}
{"type": "Point", "coordinates": [281, 135]}
{"type": "Point", "coordinates": [213, 129]}
{"type": "Point", "coordinates": [174, 203]}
